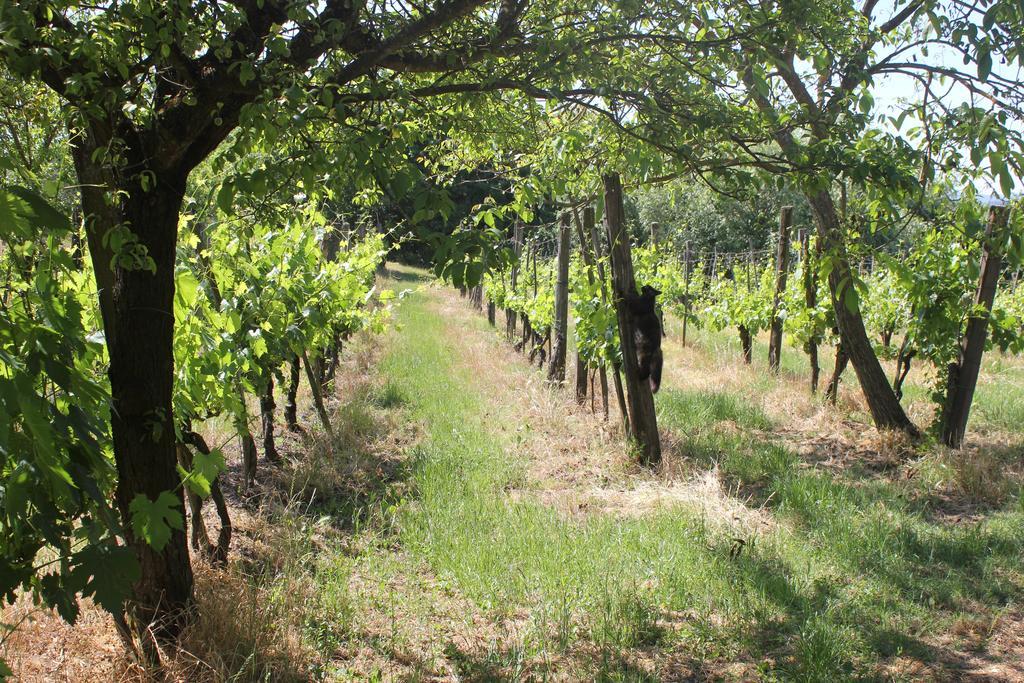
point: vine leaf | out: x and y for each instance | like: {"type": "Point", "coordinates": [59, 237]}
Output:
{"type": "Point", "coordinates": [205, 468]}
{"type": "Point", "coordinates": [107, 573]}
{"type": "Point", "coordinates": [153, 519]}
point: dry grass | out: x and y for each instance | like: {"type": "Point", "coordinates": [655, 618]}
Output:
{"type": "Point", "coordinates": [44, 647]}
{"type": "Point", "coordinates": [576, 460]}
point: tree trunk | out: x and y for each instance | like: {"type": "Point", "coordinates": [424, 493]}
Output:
{"type": "Point", "coordinates": [747, 343]}
{"type": "Point", "coordinates": [687, 274]}
{"type": "Point", "coordinates": [620, 396]}
{"type": "Point", "coordinates": [810, 283]}
{"type": "Point", "coordinates": [318, 398]}
{"type": "Point", "coordinates": [560, 325]}
{"type": "Point", "coordinates": [903, 358]}
{"type": "Point", "coordinates": [291, 408]}
{"type": "Point", "coordinates": [138, 322]}
{"type": "Point", "coordinates": [333, 356]}
{"type": "Point", "coordinates": [781, 269]}
{"type": "Point", "coordinates": [832, 392]}
{"type": "Point", "coordinates": [887, 337]}
{"type": "Point", "coordinates": [642, 418]}
{"type": "Point", "coordinates": [963, 374]}
{"type": "Point", "coordinates": [517, 250]}
{"type": "Point", "coordinates": [581, 381]}
{"type": "Point", "coordinates": [596, 252]}
{"type": "Point", "coordinates": [812, 356]}
{"type": "Point", "coordinates": [200, 537]}
{"type": "Point", "coordinates": [267, 407]}
{"type": "Point", "coordinates": [886, 410]}
{"type": "Point", "coordinates": [219, 553]}
{"type": "Point", "coordinates": [248, 443]}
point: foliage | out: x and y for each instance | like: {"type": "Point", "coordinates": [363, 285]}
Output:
{"type": "Point", "coordinates": [59, 532]}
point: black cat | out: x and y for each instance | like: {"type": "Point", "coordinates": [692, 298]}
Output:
{"type": "Point", "coordinates": [647, 334]}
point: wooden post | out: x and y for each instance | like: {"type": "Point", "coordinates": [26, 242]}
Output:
{"type": "Point", "coordinates": [750, 261]}
{"type": "Point", "coordinates": [807, 266]}
{"type": "Point", "coordinates": [318, 398]}
{"type": "Point", "coordinates": [781, 266]}
{"type": "Point", "coordinates": [248, 443]}
{"type": "Point", "coordinates": [595, 239]}
{"type": "Point", "coordinates": [527, 335]}
{"type": "Point", "coordinates": [687, 273]}
{"type": "Point", "coordinates": [560, 325]}
{"type": "Point", "coordinates": [517, 251]}
{"type": "Point", "coordinates": [588, 267]}
{"type": "Point", "coordinates": [963, 374]}
{"type": "Point", "coordinates": [642, 417]}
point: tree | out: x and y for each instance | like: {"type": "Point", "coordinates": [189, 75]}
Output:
{"type": "Point", "coordinates": [154, 89]}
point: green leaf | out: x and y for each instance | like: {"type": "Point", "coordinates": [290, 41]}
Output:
{"type": "Point", "coordinates": [186, 288]}
{"type": "Point", "coordinates": [226, 197]}
{"type": "Point", "coordinates": [1005, 181]}
{"type": "Point", "coordinates": [205, 468]}
{"type": "Point", "coordinates": [234, 322]}
{"type": "Point", "coordinates": [984, 63]}
{"type": "Point", "coordinates": [41, 212]}
{"type": "Point", "coordinates": [23, 214]}
{"type": "Point", "coordinates": [152, 520]}
{"type": "Point", "coordinates": [108, 573]}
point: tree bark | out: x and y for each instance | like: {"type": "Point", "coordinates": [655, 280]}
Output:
{"type": "Point", "coordinates": [291, 408]}
{"type": "Point", "coordinates": [886, 411]}
{"type": "Point", "coordinates": [903, 359]}
{"type": "Point", "coordinates": [596, 255]}
{"type": "Point", "coordinates": [248, 444]}
{"type": "Point", "coordinates": [963, 374]}
{"type": "Point", "coordinates": [642, 418]}
{"type": "Point", "coordinates": [517, 250]}
{"type": "Point", "coordinates": [781, 270]}
{"type": "Point", "coordinates": [885, 408]}
{"type": "Point", "coordinates": [810, 283]}
{"type": "Point", "coordinates": [747, 344]}
{"type": "Point", "coordinates": [318, 399]}
{"type": "Point", "coordinates": [603, 373]}
{"type": "Point", "coordinates": [200, 537]}
{"type": "Point", "coordinates": [687, 273]}
{"type": "Point", "coordinates": [138, 322]}
{"type": "Point", "coordinates": [219, 553]}
{"type": "Point", "coordinates": [832, 392]}
{"type": "Point", "coordinates": [581, 380]}
{"type": "Point", "coordinates": [560, 325]}
{"type": "Point", "coordinates": [267, 407]}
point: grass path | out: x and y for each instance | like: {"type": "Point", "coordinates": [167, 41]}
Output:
{"type": "Point", "coordinates": [852, 578]}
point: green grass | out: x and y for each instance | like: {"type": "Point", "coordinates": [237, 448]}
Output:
{"type": "Point", "coordinates": [998, 399]}
{"type": "Point", "coordinates": [854, 571]}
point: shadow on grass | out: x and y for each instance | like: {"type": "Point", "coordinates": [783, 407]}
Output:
{"type": "Point", "coordinates": [360, 478]}
{"type": "Point", "coordinates": [404, 275]}
{"type": "Point", "coordinates": [898, 567]}
{"type": "Point", "coordinates": [515, 662]}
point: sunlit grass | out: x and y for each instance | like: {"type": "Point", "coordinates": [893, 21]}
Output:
{"type": "Point", "coordinates": [852, 573]}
